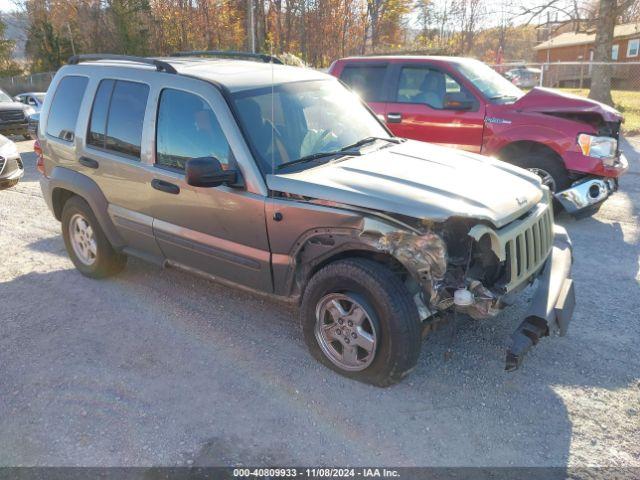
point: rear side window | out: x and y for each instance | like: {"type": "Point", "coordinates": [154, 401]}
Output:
{"type": "Point", "coordinates": [188, 128]}
{"type": "Point", "coordinates": [366, 80]}
{"type": "Point", "coordinates": [117, 117]}
{"type": "Point", "coordinates": [63, 113]}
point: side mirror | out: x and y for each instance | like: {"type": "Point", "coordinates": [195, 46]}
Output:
{"type": "Point", "coordinates": [457, 101]}
{"type": "Point", "coordinates": [208, 172]}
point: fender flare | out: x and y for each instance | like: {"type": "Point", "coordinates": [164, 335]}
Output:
{"type": "Point", "coordinates": [89, 190]}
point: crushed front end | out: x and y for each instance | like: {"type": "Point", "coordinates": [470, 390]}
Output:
{"type": "Point", "coordinates": [471, 267]}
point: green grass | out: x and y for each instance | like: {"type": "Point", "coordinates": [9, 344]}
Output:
{"type": "Point", "coordinates": [627, 102]}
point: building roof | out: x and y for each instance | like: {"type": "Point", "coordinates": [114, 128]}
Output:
{"type": "Point", "coordinates": [569, 39]}
{"type": "Point", "coordinates": [235, 75]}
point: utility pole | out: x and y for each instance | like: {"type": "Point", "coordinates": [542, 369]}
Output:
{"type": "Point", "coordinates": [251, 28]}
{"type": "Point", "coordinates": [73, 47]}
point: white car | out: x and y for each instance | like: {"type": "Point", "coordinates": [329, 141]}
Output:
{"type": "Point", "coordinates": [11, 167]}
{"type": "Point", "coordinates": [33, 99]}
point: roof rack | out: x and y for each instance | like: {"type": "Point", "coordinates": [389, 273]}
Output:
{"type": "Point", "coordinates": [159, 64]}
{"type": "Point", "coordinates": [229, 53]}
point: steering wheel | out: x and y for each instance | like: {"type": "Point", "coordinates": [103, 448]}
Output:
{"type": "Point", "coordinates": [278, 142]}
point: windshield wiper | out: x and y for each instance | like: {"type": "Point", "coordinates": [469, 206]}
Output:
{"type": "Point", "coordinates": [497, 97]}
{"type": "Point", "coordinates": [364, 141]}
{"type": "Point", "coordinates": [309, 158]}
{"type": "Point", "coordinates": [343, 151]}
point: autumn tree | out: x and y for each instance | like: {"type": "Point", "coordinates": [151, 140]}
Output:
{"type": "Point", "coordinates": [8, 66]}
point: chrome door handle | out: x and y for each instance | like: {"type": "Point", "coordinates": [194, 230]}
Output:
{"type": "Point", "coordinates": [394, 117]}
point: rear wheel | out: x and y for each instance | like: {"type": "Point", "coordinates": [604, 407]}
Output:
{"type": "Point", "coordinates": [359, 319]}
{"type": "Point", "coordinates": [86, 243]}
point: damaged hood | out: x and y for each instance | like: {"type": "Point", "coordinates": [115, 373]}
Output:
{"type": "Point", "coordinates": [419, 180]}
{"type": "Point", "coordinates": [544, 100]}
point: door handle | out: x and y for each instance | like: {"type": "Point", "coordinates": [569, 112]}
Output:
{"type": "Point", "coordinates": [165, 186]}
{"type": "Point", "coordinates": [88, 162]}
{"type": "Point", "coordinates": [394, 117]}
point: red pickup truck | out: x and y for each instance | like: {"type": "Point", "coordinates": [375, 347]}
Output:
{"type": "Point", "coordinates": [570, 142]}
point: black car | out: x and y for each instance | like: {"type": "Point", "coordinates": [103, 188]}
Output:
{"type": "Point", "coordinates": [14, 116]}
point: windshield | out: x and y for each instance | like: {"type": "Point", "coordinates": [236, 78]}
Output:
{"type": "Point", "coordinates": [303, 119]}
{"type": "Point", "coordinates": [40, 97]}
{"type": "Point", "coordinates": [493, 86]}
{"type": "Point", "coordinates": [5, 98]}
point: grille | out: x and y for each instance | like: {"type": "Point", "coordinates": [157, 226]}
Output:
{"type": "Point", "coordinates": [11, 115]}
{"type": "Point", "coordinates": [528, 250]}
{"type": "Point", "coordinates": [2, 162]}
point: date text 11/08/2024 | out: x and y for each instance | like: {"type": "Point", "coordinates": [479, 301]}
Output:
{"type": "Point", "coordinates": [316, 472]}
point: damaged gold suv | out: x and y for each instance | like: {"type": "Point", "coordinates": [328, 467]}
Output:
{"type": "Point", "coordinates": [280, 180]}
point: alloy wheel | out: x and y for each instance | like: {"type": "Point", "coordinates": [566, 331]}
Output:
{"type": "Point", "coordinates": [83, 239]}
{"type": "Point", "coordinates": [545, 177]}
{"type": "Point", "coordinates": [345, 332]}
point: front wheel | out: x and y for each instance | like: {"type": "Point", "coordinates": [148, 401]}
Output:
{"type": "Point", "coordinates": [359, 319]}
{"type": "Point", "coordinates": [549, 168]}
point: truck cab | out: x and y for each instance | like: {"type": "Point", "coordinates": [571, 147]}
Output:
{"type": "Point", "coordinates": [569, 141]}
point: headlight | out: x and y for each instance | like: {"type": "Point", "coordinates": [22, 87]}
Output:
{"type": "Point", "coordinates": [29, 111]}
{"type": "Point", "coordinates": [598, 147]}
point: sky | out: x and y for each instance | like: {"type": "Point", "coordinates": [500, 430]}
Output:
{"type": "Point", "coordinates": [7, 6]}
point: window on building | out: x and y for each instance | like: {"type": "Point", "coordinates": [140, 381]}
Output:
{"type": "Point", "coordinates": [65, 107]}
{"type": "Point", "coordinates": [188, 128]}
{"type": "Point", "coordinates": [633, 47]}
{"type": "Point", "coordinates": [614, 52]}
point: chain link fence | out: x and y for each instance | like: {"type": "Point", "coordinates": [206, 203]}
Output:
{"type": "Point", "coordinates": [37, 82]}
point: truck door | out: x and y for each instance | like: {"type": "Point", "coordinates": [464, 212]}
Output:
{"type": "Point", "coordinates": [430, 105]}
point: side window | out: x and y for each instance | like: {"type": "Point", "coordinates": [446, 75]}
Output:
{"type": "Point", "coordinates": [187, 128]}
{"type": "Point", "coordinates": [366, 80]}
{"type": "Point", "coordinates": [98, 121]}
{"type": "Point", "coordinates": [428, 86]}
{"type": "Point", "coordinates": [117, 117]}
{"type": "Point", "coordinates": [63, 113]}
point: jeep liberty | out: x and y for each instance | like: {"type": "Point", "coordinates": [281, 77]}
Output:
{"type": "Point", "coordinates": [280, 180]}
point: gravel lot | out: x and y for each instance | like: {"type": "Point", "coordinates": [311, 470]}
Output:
{"type": "Point", "coordinates": [162, 368]}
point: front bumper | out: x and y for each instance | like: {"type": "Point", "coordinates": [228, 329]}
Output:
{"type": "Point", "coordinates": [10, 169]}
{"type": "Point", "coordinates": [586, 195]}
{"type": "Point", "coordinates": [14, 127]}
{"type": "Point", "coordinates": [552, 303]}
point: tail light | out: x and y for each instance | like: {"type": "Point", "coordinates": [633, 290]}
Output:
{"type": "Point", "coordinates": [40, 159]}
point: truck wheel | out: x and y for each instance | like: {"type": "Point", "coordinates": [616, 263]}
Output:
{"type": "Point", "coordinates": [86, 243]}
{"type": "Point", "coordinates": [547, 167]}
{"type": "Point", "coordinates": [359, 320]}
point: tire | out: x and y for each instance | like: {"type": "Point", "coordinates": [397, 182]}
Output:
{"type": "Point", "coordinates": [547, 163]}
{"type": "Point", "coordinates": [27, 136]}
{"type": "Point", "coordinates": [390, 310]}
{"type": "Point", "coordinates": [105, 260]}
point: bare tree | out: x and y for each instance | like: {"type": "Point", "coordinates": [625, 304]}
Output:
{"type": "Point", "coordinates": [608, 13]}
